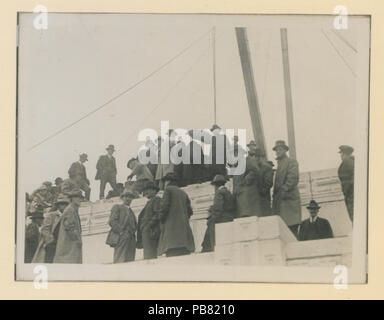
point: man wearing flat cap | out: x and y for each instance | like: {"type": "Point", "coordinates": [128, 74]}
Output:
{"type": "Point", "coordinates": [78, 173]}
{"type": "Point", "coordinates": [49, 233]}
{"type": "Point", "coordinates": [286, 196]}
{"type": "Point", "coordinates": [346, 175]}
{"type": "Point", "coordinates": [148, 228]}
{"type": "Point", "coordinates": [69, 247]}
{"type": "Point", "coordinates": [122, 236]}
{"type": "Point", "coordinates": [222, 210]}
{"type": "Point", "coordinates": [106, 170]}
{"type": "Point", "coordinates": [314, 227]}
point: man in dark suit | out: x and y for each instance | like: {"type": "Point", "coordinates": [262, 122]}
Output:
{"type": "Point", "coordinates": [314, 227]}
{"type": "Point", "coordinates": [106, 170]}
{"type": "Point", "coordinates": [346, 174]}
{"type": "Point", "coordinates": [78, 173]}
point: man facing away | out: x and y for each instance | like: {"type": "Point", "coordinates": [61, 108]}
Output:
{"type": "Point", "coordinates": [69, 248]}
{"type": "Point", "coordinates": [148, 229]}
{"type": "Point", "coordinates": [346, 175]}
{"type": "Point", "coordinates": [78, 173]}
{"type": "Point", "coordinates": [106, 170]}
{"type": "Point", "coordinates": [49, 232]}
{"type": "Point", "coordinates": [176, 236]}
{"type": "Point", "coordinates": [314, 227]}
{"type": "Point", "coordinates": [222, 210]}
{"type": "Point", "coordinates": [286, 196]}
{"type": "Point", "coordinates": [122, 236]}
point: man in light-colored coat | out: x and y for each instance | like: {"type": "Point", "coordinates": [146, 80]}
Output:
{"type": "Point", "coordinates": [49, 232]}
{"type": "Point", "coordinates": [286, 196]}
{"type": "Point", "coordinates": [69, 242]}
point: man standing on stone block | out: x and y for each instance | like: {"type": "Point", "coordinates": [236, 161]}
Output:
{"type": "Point", "coordinates": [286, 196]}
{"type": "Point", "coordinates": [78, 173]}
{"type": "Point", "coordinates": [222, 210]}
{"type": "Point", "coordinates": [176, 236]}
{"type": "Point", "coordinates": [106, 170]}
{"type": "Point", "coordinates": [346, 174]}
{"type": "Point", "coordinates": [122, 236]}
{"type": "Point", "coordinates": [314, 227]}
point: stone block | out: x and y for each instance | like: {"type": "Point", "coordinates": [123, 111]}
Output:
{"type": "Point", "coordinates": [246, 253]}
{"type": "Point", "coordinates": [224, 233]}
{"type": "Point", "coordinates": [273, 227]}
{"type": "Point", "coordinates": [272, 252]}
{"type": "Point", "coordinates": [224, 254]}
{"type": "Point", "coordinates": [246, 229]}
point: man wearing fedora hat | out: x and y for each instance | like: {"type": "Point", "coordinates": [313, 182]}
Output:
{"type": "Point", "coordinates": [78, 173]}
{"type": "Point", "coordinates": [32, 233]}
{"type": "Point", "coordinates": [49, 232]}
{"type": "Point", "coordinates": [122, 236]}
{"type": "Point", "coordinates": [69, 242]}
{"type": "Point", "coordinates": [314, 227]}
{"type": "Point", "coordinates": [176, 236]}
{"type": "Point", "coordinates": [286, 196]}
{"type": "Point", "coordinates": [106, 170]}
{"type": "Point", "coordinates": [346, 173]}
{"type": "Point", "coordinates": [222, 210]}
{"type": "Point", "coordinates": [148, 228]}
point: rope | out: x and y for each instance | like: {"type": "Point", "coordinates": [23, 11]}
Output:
{"type": "Point", "coordinates": [122, 93]}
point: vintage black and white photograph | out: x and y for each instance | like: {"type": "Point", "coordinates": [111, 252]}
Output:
{"type": "Point", "coordinates": [192, 147]}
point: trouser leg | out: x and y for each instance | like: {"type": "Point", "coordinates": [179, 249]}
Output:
{"type": "Point", "coordinates": [103, 183]}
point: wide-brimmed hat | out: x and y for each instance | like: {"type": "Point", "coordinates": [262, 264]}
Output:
{"type": "Point", "coordinates": [128, 192]}
{"type": "Point", "coordinates": [313, 205]}
{"type": "Point", "coordinates": [75, 193]}
{"type": "Point", "coordinates": [345, 149]}
{"type": "Point", "coordinates": [280, 143]}
{"type": "Point", "coordinates": [62, 199]}
{"type": "Point", "coordinates": [219, 179]}
{"type": "Point", "coordinates": [84, 156]}
{"type": "Point", "coordinates": [130, 160]}
{"type": "Point", "coordinates": [171, 176]}
{"type": "Point", "coordinates": [214, 127]}
{"type": "Point", "coordinates": [110, 147]}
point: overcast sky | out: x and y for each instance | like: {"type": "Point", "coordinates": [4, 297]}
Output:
{"type": "Point", "coordinates": [83, 60]}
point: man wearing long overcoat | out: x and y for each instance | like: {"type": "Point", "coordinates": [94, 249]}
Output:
{"type": "Point", "coordinates": [78, 173]}
{"type": "Point", "coordinates": [148, 228]}
{"type": "Point", "coordinates": [176, 236]}
{"type": "Point", "coordinates": [222, 210]}
{"type": "Point", "coordinates": [32, 233]}
{"type": "Point", "coordinates": [346, 175]}
{"type": "Point", "coordinates": [49, 233]}
{"type": "Point", "coordinates": [106, 170]}
{"type": "Point", "coordinates": [122, 236]}
{"type": "Point", "coordinates": [286, 196]}
{"type": "Point", "coordinates": [69, 247]}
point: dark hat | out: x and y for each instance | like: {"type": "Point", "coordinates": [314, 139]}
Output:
{"type": "Point", "coordinates": [129, 192]}
{"type": "Point", "coordinates": [130, 160]}
{"type": "Point", "coordinates": [259, 152]}
{"type": "Point", "coordinates": [58, 180]}
{"type": "Point", "coordinates": [62, 199]}
{"type": "Point", "coordinates": [280, 143]}
{"type": "Point", "coordinates": [251, 143]}
{"type": "Point", "coordinates": [219, 179]}
{"type": "Point", "coordinates": [313, 205]}
{"type": "Point", "coordinates": [75, 193]}
{"type": "Point", "coordinates": [36, 215]}
{"type": "Point", "coordinates": [171, 176]}
{"type": "Point", "coordinates": [150, 185]}
{"type": "Point", "coordinates": [346, 149]}
{"type": "Point", "coordinates": [84, 156]}
{"type": "Point", "coordinates": [214, 127]}
{"type": "Point", "coordinates": [110, 147]}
